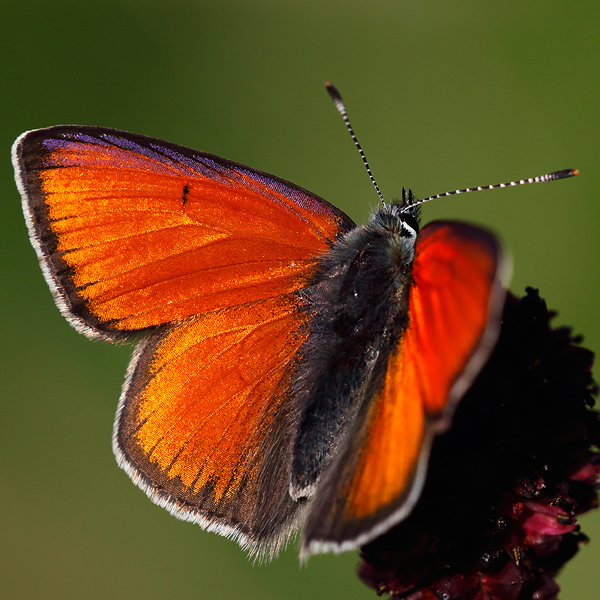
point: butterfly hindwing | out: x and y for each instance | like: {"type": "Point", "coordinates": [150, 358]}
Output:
{"type": "Point", "coordinates": [199, 424]}
{"type": "Point", "coordinates": [453, 321]}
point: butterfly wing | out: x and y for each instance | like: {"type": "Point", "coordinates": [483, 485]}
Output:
{"type": "Point", "coordinates": [134, 232]}
{"type": "Point", "coordinates": [453, 321]}
{"type": "Point", "coordinates": [204, 259]}
{"type": "Point", "coordinates": [200, 423]}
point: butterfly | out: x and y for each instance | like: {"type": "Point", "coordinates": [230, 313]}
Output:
{"type": "Point", "coordinates": [291, 367]}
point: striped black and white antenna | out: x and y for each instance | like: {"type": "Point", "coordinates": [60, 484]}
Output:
{"type": "Point", "coordinates": [409, 202]}
{"type": "Point", "coordinates": [339, 104]}
{"type": "Point", "coordinates": [563, 174]}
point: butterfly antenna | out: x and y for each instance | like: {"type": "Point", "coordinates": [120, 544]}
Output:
{"type": "Point", "coordinates": [549, 177]}
{"type": "Point", "coordinates": [339, 104]}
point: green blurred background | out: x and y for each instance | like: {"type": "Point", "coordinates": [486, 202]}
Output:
{"type": "Point", "coordinates": [442, 94]}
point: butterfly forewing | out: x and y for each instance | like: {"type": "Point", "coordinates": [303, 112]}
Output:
{"type": "Point", "coordinates": [134, 233]}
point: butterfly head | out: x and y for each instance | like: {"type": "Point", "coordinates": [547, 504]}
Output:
{"type": "Point", "coordinates": [399, 223]}
{"type": "Point", "coordinates": [410, 214]}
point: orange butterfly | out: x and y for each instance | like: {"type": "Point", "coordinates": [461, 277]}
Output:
{"type": "Point", "coordinates": [291, 366]}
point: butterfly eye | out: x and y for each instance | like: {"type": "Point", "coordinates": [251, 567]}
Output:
{"type": "Point", "coordinates": [410, 226]}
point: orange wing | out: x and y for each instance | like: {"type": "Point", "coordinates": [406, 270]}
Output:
{"type": "Point", "coordinates": [199, 425]}
{"type": "Point", "coordinates": [133, 232]}
{"type": "Point", "coordinates": [205, 260]}
{"type": "Point", "coordinates": [454, 309]}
